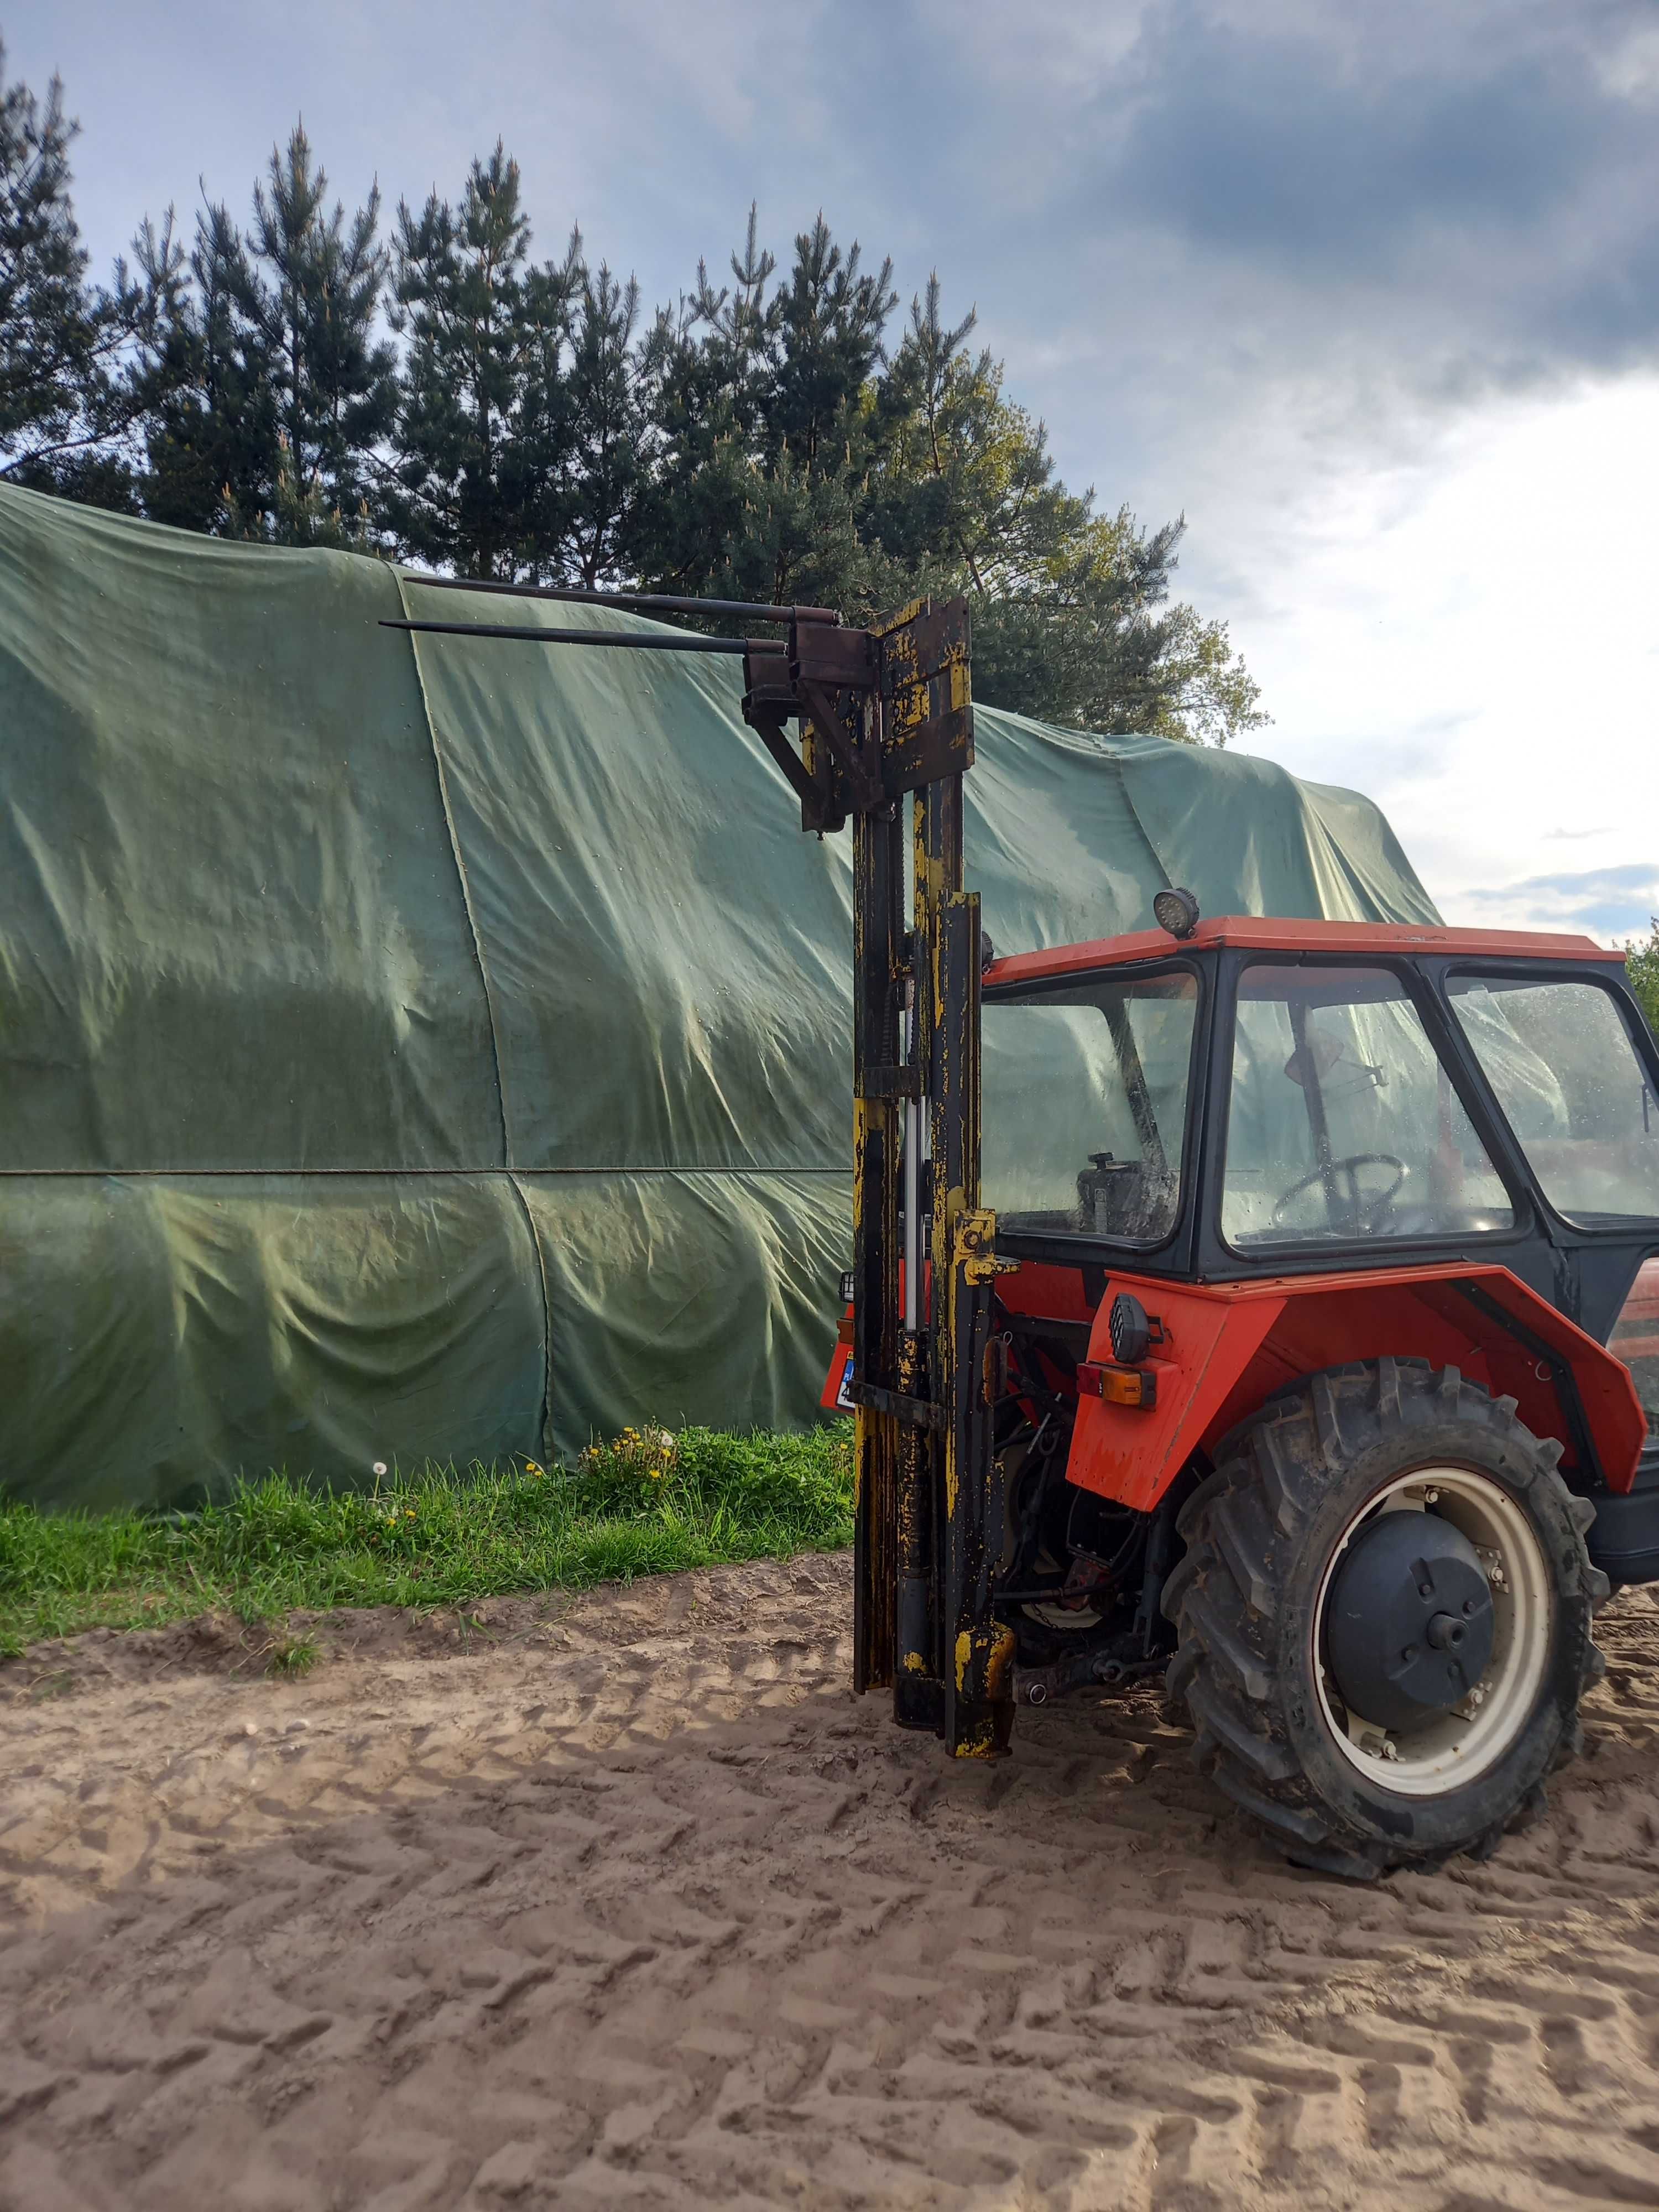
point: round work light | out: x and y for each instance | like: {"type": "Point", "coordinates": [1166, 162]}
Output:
{"type": "Point", "coordinates": [1175, 910]}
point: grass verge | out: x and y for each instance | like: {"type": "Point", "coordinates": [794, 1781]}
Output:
{"type": "Point", "coordinates": [646, 1503]}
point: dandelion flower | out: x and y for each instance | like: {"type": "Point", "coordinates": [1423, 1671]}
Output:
{"type": "Point", "coordinates": [379, 1466]}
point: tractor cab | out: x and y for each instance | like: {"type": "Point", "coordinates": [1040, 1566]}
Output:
{"type": "Point", "coordinates": [1261, 1098]}
{"type": "Point", "coordinates": [1322, 1353]}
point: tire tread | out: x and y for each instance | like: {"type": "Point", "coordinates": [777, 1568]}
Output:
{"type": "Point", "coordinates": [1224, 1597]}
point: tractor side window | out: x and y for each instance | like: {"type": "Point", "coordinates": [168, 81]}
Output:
{"type": "Point", "coordinates": [1572, 1088]}
{"type": "Point", "coordinates": [1085, 1107]}
{"type": "Point", "coordinates": [1344, 1126]}
{"type": "Point", "coordinates": [1635, 1339]}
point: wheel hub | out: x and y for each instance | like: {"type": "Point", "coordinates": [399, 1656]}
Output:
{"type": "Point", "coordinates": [1409, 1623]}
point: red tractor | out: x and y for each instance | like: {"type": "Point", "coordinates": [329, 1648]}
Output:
{"type": "Point", "coordinates": [1320, 1381]}
{"type": "Point", "coordinates": [1303, 1344]}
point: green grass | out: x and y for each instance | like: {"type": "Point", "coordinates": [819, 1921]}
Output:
{"type": "Point", "coordinates": [292, 1656]}
{"type": "Point", "coordinates": [441, 1537]}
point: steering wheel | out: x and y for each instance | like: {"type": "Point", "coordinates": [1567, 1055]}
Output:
{"type": "Point", "coordinates": [1367, 1211]}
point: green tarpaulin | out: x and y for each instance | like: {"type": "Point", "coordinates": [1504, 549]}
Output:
{"type": "Point", "coordinates": [425, 1047]}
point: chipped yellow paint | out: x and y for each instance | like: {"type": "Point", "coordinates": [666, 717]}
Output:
{"type": "Point", "coordinates": [999, 1659]}
{"type": "Point", "coordinates": [885, 625]}
{"type": "Point", "coordinates": [999, 1647]}
{"type": "Point", "coordinates": [983, 1745]}
{"type": "Point", "coordinates": [864, 1434]}
{"type": "Point", "coordinates": [911, 700]}
{"type": "Point", "coordinates": [914, 1663]}
{"type": "Point", "coordinates": [994, 1647]}
{"type": "Point", "coordinates": [876, 1448]}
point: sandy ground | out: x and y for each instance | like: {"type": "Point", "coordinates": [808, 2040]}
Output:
{"type": "Point", "coordinates": [625, 1901]}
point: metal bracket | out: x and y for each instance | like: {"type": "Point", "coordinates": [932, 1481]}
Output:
{"type": "Point", "coordinates": [913, 666]}
{"type": "Point", "coordinates": [896, 1082]}
{"type": "Point", "coordinates": [975, 1248]}
{"type": "Point", "coordinates": [917, 1412]}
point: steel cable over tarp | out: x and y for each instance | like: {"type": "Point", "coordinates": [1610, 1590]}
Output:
{"type": "Point", "coordinates": [441, 1050]}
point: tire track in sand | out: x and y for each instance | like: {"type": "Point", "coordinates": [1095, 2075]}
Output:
{"type": "Point", "coordinates": [629, 1902]}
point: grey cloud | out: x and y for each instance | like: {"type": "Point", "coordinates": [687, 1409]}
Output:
{"type": "Point", "coordinates": [1447, 198]}
{"type": "Point", "coordinates": [1271, 145]}
{"type": "Point", "coordinates": [1613, 902]}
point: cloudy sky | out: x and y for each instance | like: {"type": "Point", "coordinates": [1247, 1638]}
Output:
{"type": "Point", "coordinates": [1370, 293]}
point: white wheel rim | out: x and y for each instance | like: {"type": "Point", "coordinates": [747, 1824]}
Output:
{"type": "Point", "coordinates": [1453, 1747]}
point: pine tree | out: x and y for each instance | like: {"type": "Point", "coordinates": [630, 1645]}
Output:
{"type": "Point", "coordinates": [262, 388]}
{"type": "Point", "coordinates": [705, 520]}
{"type": "Point", "coordinates": [305, 286]}
{"type": "Point", "coordinates": [763, 406]}
{"type": "Point", "coordinates": [63, 403]}
{"type": "Point", "coordinates": [830, 322]}
{"type": "Point", "coordinates": [201, 381]}
{"type": "Point", "coordinates": [539, 470]}
{"type": "Point", "coordinates": [476, 322]}
{"type": "Point", "coordinates": [608, 425]}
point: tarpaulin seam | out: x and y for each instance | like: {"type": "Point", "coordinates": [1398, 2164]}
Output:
{"type": "Point", "coordinates": [460, 869]}
{"type": "Point", "coordinates": [387, 1175]}
{"type": "Point", "coordinates": [546, 1423]}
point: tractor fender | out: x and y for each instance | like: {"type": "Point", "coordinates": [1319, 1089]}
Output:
{"type": "Point", "coordinates": [1227, 1347]}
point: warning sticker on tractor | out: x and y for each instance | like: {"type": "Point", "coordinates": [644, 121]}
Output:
{"type": "Point", "coordinates": [844, 1395]}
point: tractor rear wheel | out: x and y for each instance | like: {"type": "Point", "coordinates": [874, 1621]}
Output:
{"type": "Point", "coordinates": [1383, 1614]}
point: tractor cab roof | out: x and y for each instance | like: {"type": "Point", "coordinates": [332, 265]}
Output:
{"type": "Point", "coordinates": [1259, 933]}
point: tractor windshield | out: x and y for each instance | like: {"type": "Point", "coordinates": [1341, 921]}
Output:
{"type": "Point", "coordinates": [1568, 1079]}
{"type": "Point", "coordinates": [1085, 1111]}
{"type": "Point", "coordinates": [1343, 1124]}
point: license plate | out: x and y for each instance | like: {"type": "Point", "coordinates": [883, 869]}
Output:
{"type": "Point", "coordinates": [843, 1396]}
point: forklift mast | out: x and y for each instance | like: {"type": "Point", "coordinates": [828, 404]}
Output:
{"type": "Point", "coordinates": [884, 715]}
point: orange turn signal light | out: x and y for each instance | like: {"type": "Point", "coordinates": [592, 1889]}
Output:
{"type": "Point", "coordinates": [1118, 1386]}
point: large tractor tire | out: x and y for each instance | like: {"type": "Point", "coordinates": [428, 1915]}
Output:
{"type": "Point", "coordinates": [1383, 1614]}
